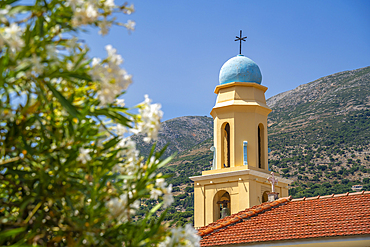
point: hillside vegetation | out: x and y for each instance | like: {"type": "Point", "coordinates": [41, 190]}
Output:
{"type": "Point", "coordinates": [180, 134]}
{"type": "Point", "coordinates": [319, 134]}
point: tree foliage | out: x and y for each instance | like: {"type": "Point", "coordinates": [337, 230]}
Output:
{"type": "Point", "coordinates": [70, 172]}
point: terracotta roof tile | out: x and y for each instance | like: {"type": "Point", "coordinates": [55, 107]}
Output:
{"type": "Point", "coordinates": [286, 218]}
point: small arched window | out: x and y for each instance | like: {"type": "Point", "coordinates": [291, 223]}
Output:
{"type": "Point", "coordinates": [221, 205]}
{"type": "Point", "coordinates": [225, 145]}
{"type": "Point", "coordinates": [265, 197]}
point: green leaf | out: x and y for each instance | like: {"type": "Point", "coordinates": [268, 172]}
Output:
{"type": "Point", "coordinates": [111, 143]}
{"type": "Point", "coordinates": [152, 211]}
{"type": "Point", "coordinates": [111, 114]}
{"type": "Point", "coordinates": [124, 177]}
{"type": "Point", "coordinates": [153, 227]}
{"type": "Point", "coordinates": [165, 161]}
{"type": "Point", "coordinates": [3, 3]}
{"type": "Point", "coordinates": [26, 146]}
{"type": "Point", "coordinates": [40, 21]}
{"type": "Point", "coordinates": [11, 232]}
{"type": "Point", "coordinates": [78, 76]}
{"type": "Point", "coordinates": [25, 203]}
{"type": "Point", "coordinates": [77, 64]}
{"type": "Point", "coordinates": [18, 9]}
{"type": "Point", "coordinates": [160, 153]}
{"type": "Point", "coordinates": [65, 103]}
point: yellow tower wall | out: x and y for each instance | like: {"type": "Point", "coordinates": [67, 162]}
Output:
{"type": "Point", "coordinates": [245, 187]}
{"type": "Point", "coordinates": [243, 106]}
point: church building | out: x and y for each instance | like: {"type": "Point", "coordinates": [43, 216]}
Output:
{"type": "Point", "coordinates": [240, 171]}
{"type": "Point", "coordinates": [240, 202]}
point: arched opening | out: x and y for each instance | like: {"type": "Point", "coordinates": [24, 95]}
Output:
{"type": "Point", "coordinates": [221, 203]}
{"type": "Point", "coordinates": [265, 196]}
{"type": "Point", "coordinates": [225, 145]}
{"type": "Point", "coordinates": [261, 140]}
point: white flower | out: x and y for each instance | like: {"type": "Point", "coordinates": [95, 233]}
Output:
{"type": "Point", "coordinates": [113, 58]}
{"type": "Point", "coordinates": [153, 161]}
{"type": "Point", "coordinates": [12, 31]}
{"type": "Point", "coordinates": [55, 29]}
{"type": "Point", "coordinates": [52, 51]}
{"type": "Point", "coordinates": [113, 79]}
{"type": "Point", "coordinates": [91, 12]}
{"type": "Point", "coordinates": [119, 208]}
{"type": "Point", "coordinates": [120, 102]}
{"type": "Point", "coordinates": [4, 12]}
{"type": "Point", "coordinates": [131, 165]}
{"type": "Point", "coordinates": [191, 235]}
{"type": "Point", "coordinates": [150, 120]}
{"type": "Point", "coordinates": [96, 61]}
{"type": "Point", "coordinates": [120, 168]}
{"type": "Point", "coordinates": [130, 25]}
{"type": "Point", "coordinates": [134, 206]}
{"type": "Point", "coordinates": [15, 44]}
{"type": "Point", "coordinates": [119, 129]}
{"type": "Point", "coordinates": [129, 147]}
{"type": "Point", "coordinates": [129, 9]}
{"type": "Point", "coordinates": [83, 13]}
{"type": "Point", "coordinates": [97, 69]}
{"type": "Point", "coordinates": [154, 193]}
{"type": "Point", "coordinates": [182, 237]}
{"type": "Point", "coordinates": [166, 242]}
{"type": "Point", "coordinates": [104, 26]}
{"type": "Point", "coordinates": [72, 43]}
{"type": "Point", "coordinates": [105, 94]}
{"type": "Point", "coordinates": [84, 156]}
{"type": "Point", "coordinates": [74, 3]}
{"type": "Point", "coordinates": [109, 4]}
{"type": "Point", "coordinates": [169, 189]}
{"type": "Point", "coordinates": [168, 197]}
{"type": "Point", "coordinates": [70, 66]}
{"type": "Point", "coordinates": [35, 62]}
{"type": "Point", "coordinates": [160, 183]}
{"type": "Point", "coordinates": [12, 36]}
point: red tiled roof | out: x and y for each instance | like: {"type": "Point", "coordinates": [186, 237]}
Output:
{"type": "Point", "coordinates": [287, 219]}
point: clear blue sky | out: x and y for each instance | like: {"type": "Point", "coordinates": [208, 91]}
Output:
{"type": "Point", "coordinates": [178, 47]}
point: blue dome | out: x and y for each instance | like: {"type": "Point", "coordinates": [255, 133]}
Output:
{"type": "Point", "coordinates": [240, 69]}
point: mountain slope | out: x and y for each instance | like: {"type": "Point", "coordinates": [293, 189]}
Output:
{"type": "Point", "coordinates": [324, 127]}
{"type": "Point", "coordinates": [180, 134]}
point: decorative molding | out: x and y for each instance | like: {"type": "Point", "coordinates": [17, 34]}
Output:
{"type": "Point", "coordinates": [241, 103]}
{"type": "Point", "coordinates": [262, 175]}
{"type": "Point", "coordinates": [243, 84]}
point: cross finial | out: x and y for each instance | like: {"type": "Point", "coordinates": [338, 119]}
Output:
{"type": "Point", "coordinates": [273, 181]}
{"type": "Point", "coordinates": [240, 39]}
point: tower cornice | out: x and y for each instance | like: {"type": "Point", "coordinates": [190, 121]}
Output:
{"type": "Point", "coordinates": [223, 175]}
{"type": "Point", "coordinates": [243, 84]}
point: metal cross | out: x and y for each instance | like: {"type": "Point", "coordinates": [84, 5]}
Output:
{"type": "Point", "coordinates": [240, 39]}
{"type": "Point", "coordinates": [273, 181]}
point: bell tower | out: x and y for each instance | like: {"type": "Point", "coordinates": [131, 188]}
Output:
{"type": "Point", "coordinates": [238, 179]}
{"type": "Point", "coordinates": [240, 126]}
